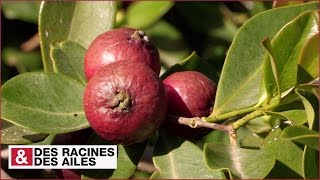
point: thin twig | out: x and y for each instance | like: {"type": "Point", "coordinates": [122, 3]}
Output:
{"type": "Point", "coordinates": [146, 167]}
{"type": "Point", "coordinates": [197, 122]}
{"type": "Point", "coordinates": [31, 43]}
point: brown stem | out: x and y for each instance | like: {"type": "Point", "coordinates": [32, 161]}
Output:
{"type": "Point", "coordinates": [197, 122]}
{"type": "Point", "coordinates": [31, 43]}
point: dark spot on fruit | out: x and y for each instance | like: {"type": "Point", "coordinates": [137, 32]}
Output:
{"type": "Point", "coordinates": [75, 115]}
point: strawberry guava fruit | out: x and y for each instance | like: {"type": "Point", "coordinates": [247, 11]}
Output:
{"type": "Point", "coordinates": [190, 94]}
{"type": "Point", "coordinates": [125, 102]}
{"type": "Point", "coordinates": [120, 44]}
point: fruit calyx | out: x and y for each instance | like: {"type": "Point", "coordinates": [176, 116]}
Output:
{"type": "Point", "coordinates": [139, 35]}
{"type": "Point", "coordinates": [121, 101]}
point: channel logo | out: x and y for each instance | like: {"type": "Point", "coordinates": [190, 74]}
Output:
{"type": "Point", "coordinates": [62, 157]}
{"type": "Point", "coordinates": [21, 156]}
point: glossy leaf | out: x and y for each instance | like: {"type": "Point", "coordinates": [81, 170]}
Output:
{"type": "Point", "coordinates": [251, 142]}
{"type": "Point", "coordinates": [286, 166]}
{"type": "Point", "coordinates": [25, 11]}
{"type": "Point", "coordinates": [239, 162]}
{"type": "Point", "coordinates": [44, 102]}
{"type": "Point", "coordinates": [216, 136]}
{"type": "Point", "coordinates": [308, 68]}
{"type": "Point", "coordinates": [47, 141]}
{"type": "Point", "coordinates": [310, 163]}
{"type": "Point", "coordinates": [273, 67]}
{"type": "Point", "coordinates": [309, 95]}
{"type": "Point", "coordinates": [13, 134]}
{"type": "Point", "coordinates": [240, 82]}
{"type": "Point", "coordinates": [128, 159]}
{"type": "Point", "coordinates": [259, 125]}
{"type": "Point", "coordinates": [193, 63]}
{"type": "Point", "coordinates": [142, 14]}
{"type": "Point", "coordinates": [303, 135]}
{"type": "Point", "coordinates": [79, 21]}
{"type": "Point", "coordinates": [140, 175]}
{"type": "Point", "coordinates": [287, 46]}
{"type": "Point", "coordinates": [176, 158]}
{"type": "Point", "coordinates": [310, 102]}
{"type": "Point", "coordinates": [297, 117]}
{"type": "Point", "coordinates": [68, 57]}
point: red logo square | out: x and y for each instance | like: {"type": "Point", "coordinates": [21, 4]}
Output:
{"type": "Point", "coordinates": [21, 156]}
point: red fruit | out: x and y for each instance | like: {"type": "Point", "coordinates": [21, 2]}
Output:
{"type": "Point", "coordinates": [68, 174]}
{"type": "Point", "coordinates": [125, 102]}
{"type": "Point", "coordinates": [190, 94]}
{"type": "Point", "coordinates": [121, 44]}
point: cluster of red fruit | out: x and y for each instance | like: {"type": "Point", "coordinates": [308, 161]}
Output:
{"type": "Point", "coordinates": [125, 101]}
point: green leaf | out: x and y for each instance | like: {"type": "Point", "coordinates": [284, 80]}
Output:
{"type": "Point", "coordinates": [310, 163]}
{"type": "Point", "coordinates": [193, 63]}
{"type": "Point", "coordinates": [309, 95]}
{"type": "Point", "coordinates": [23, 61]}
{"type": "Point", "coordinates": [128, 159]}
{"type": "Point", "coordinates": [44, 102]}
{"type": "Point", "coordinates": [216, 136]}
{"type": "Point", "coordinates": [262, 124]}
{"type": "Point", "coordinates": [302, 135]}
{"type": "Point", "coordinates": [251, 142]}
{"type": "Point", "coordinates": [297, 116]}
{"type": "Point", "coordinates": [239, 162]}
{"type": "Point", "coordinates": [47, 141]}
{"type": "Point", "coordinates": [13, 134]}
{"type": "Point", "coordinates": [308, 68]}
{"type": "Point", "coordinates": [241, 78]}
{"type": "Point", "coordinates": [169, 41]}
{"type": "Point", "coordinates": [258, 125]}
{"type": "Point", "coordinates": [25, 11]}
{"type": "Point", "coordinates": [176, 158]}
{"type": "Point", "coordinates": [288, 155]}
{"type": "Point", "coordinates": [68, 57]}
{"type": "Point", "coordinates": [257, 7]}
{"type": "Point", "coordinates": [140, 175]}
{"type": "Point", "coordinates": [274, 69]}
{"type": "Point", "coordinates": [287, 46]}
{"type": "Point", "coordinates": [143, 14]}
{"type": "Point", "coordinates": [79, 21]}
{"type": "Point", "coordinates": [310, 102]}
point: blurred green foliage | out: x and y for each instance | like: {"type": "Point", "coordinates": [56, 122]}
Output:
{"type": "Point", "coordinates": [176, 28]}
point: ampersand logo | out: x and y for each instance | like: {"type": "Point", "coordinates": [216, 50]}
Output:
{"type": "Point", "coordinates": [21, 156]}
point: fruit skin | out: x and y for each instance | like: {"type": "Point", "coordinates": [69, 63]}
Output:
{"type": "Point", "coordinates": [125, 102]}
{"type": "Point", "coordinates": [120, 44]}
{"type": "Point", "coordinates": [190, 94]}
{"type": "Point", "coordinates": [68, 174]}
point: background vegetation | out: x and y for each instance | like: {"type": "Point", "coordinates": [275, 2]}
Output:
{"type": "Point", "coordinates": [273, 81]}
